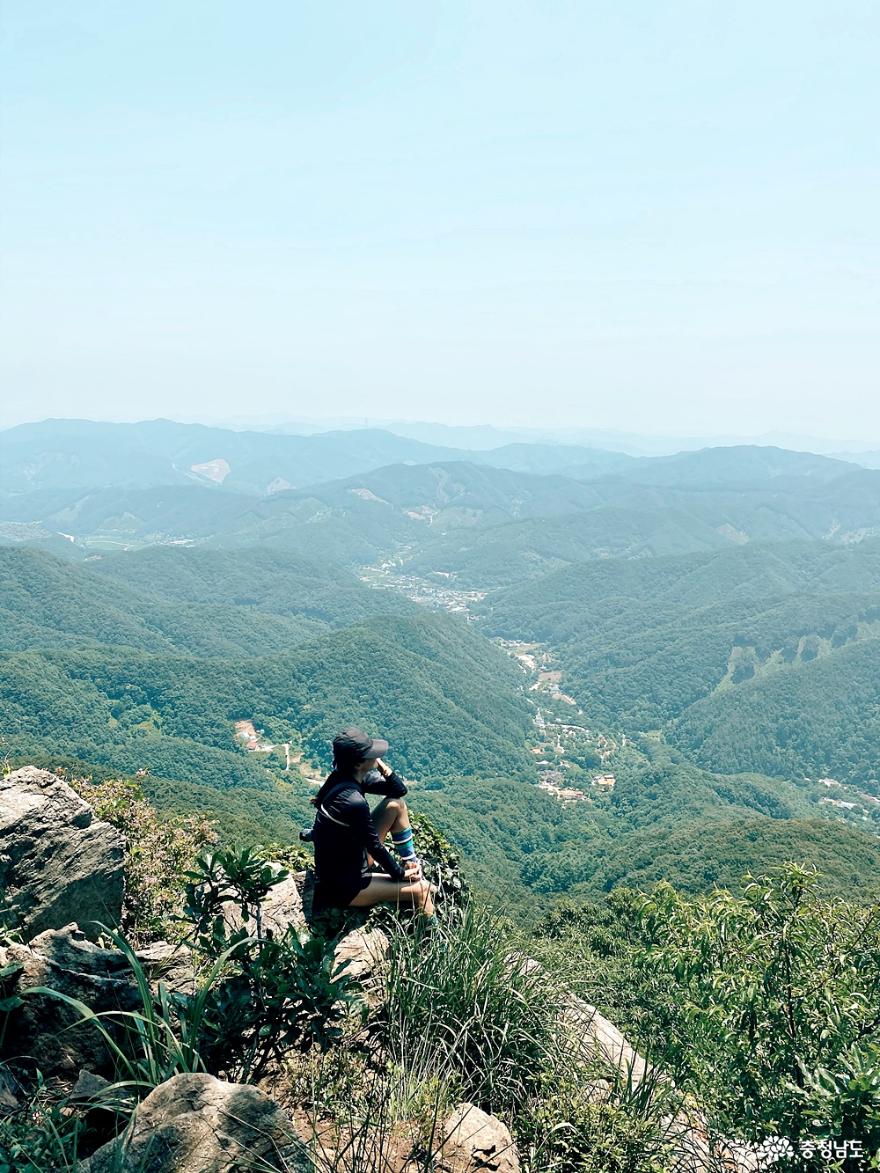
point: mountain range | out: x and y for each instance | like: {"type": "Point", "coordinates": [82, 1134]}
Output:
{"type": "Point", "coordinates": [702, 627]}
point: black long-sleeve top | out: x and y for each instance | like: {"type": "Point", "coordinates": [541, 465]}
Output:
{"type": "Point", "coordinates": [344, 832]}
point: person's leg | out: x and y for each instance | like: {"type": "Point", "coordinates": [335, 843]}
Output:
{"type": "Point", "coordinates": [415, 894]}
{"type": "Point", "coordinates": [392, 814]}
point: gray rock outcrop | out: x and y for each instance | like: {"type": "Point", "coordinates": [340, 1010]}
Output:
{"type": "Point", "coordinates": [58, 863]}
{"type": "Point", "coordinates": [364, 949]}
{"type": "Point", "coordinates": [47, 1030]}
{"type": "Point", "coordinates": [281, 909]}
{"type": "Point", "coordinates": [199, 1124]}
{"type": "Point", "coordinates": [170, 964]}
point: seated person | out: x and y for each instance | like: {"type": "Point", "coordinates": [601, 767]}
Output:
{"type": "Point", "coordinates": [346, 834]}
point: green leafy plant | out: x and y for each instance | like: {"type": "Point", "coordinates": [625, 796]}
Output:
{"type": "Point", "coordinates": [597, 1118]}
{"type": "Point", "coordinates": [43, 1134]}
{"type": "Point", "coordinates": [272, 992]}
{"type": "Point", "coordinates": [761, 1004]}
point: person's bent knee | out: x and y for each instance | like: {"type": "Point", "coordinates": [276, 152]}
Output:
{"type": "Point", "coordinates": [416, 891]}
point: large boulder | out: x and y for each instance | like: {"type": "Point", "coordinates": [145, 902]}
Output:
{"type": "Point", "coordinates": [281, 908]}
{"type": "Point", "coordinates": [475, 1141]}
{"type": "Point", "coordinates": [199, 1124]}
{"type": "Point", "coordinates": [48, 1032]}
{"type": "Point", "coordinates": [58, 863]}
{"type": "Point", "coordinates": [44, 1029]}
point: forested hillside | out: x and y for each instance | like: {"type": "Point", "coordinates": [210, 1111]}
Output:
{"type": "Point", "coordinates": [640, 590]}
{"type": "Point", "coordinates": [173, 600]}
{"type": "Point", "coordinates": [761, 658]}
{"type": "Point", "coordinates": [448, 699]}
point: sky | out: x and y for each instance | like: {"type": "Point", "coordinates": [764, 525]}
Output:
{"type": "Point", "coordinates": [649, 216]}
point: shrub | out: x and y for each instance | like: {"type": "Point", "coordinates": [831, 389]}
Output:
{"type": "Point", "coordinates": [159, 851]}
{"type": "Point", "coordinates": [598, 1120]}
{"type": "Point", "coordinates": [762, 1004]}
{"type": "Point", "coordinates": [272, 993]}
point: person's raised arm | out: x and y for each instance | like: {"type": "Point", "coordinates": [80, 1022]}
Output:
{"type": "Point", "coordinates": [389, 784]}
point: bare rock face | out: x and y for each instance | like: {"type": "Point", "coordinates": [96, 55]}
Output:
{"type": "Point", "coordinates": [284, 907]}
{"type": "Point", "coordinates": [48, 1031]}
{"type": "Point", "coordinates": [476, 1141]}
{"type": "Point", "coordinates": [199, 1124]}
{"type": "Point", "coordinates": [281, 909]}
{"type": "Point", "coordinates": [364, 950]}
{"type": "Point", "coordinates": [170, 964]}
{"type": "Point", "coordinates": [58, 863]}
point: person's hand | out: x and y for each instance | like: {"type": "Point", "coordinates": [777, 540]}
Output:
{"type": "Point", "coordinates": [383, 768]}
{"type": "Point", "coordinates": [412, 871]}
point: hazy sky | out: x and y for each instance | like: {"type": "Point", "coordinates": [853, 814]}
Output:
{"type": "Point", "coordinates": [642, 215]}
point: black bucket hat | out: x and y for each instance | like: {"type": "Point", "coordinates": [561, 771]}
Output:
{"type": "Point", "coordinates": [353, 745]}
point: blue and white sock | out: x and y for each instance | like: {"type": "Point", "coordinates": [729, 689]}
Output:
{"type": "Point", "coordinates": [404, 846]}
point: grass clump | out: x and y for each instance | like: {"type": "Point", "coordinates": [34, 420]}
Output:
{"type": "Point", "coordinates": [489, 1020]}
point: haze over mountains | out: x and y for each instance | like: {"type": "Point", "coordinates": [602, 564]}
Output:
{"type": "Point", "coordinates": [701, 628]}
{"type": "Point", "coordinates": [82, 453]}
{"type": "Point", "coordinates": [376, 493]}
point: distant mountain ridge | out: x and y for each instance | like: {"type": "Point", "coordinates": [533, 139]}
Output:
{"type": "Point", "coordinates": [81, 453]}
{"type": "Point", "coordinates": [84, 454]}
{"type": "Point", "coordinates": [64, 454]}
{"type": "Point", "coordinates": [421, 509]}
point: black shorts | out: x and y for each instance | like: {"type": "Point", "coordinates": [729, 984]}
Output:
{"type": "Point", "coordinates": [341, 893]}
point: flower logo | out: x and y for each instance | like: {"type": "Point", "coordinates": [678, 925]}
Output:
{"type": "Point", "coordinates": [773, 1149]}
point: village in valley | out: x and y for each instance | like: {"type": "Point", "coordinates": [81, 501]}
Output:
{"type": "Point", "coordinates": [564, 744]}
{"type": "Point", "coordinates": [567, 751]}
{"type": "Point", "coordinates": [255, 741]}
{"type": "Point", "coordinates": [571, 759]}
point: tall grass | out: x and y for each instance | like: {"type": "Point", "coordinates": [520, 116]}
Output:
{"type": "Point", "coordinates": [155, 1042]}
{"type": "Point", "coordinates": [464, 1019]}
{"type": "Point", "coordinates": [490, 1023]}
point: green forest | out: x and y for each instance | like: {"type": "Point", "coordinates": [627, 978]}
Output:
{"type": "Point", "coordinates": [761, 658]}
{"type": "Point", "coordinates": [725, 668]}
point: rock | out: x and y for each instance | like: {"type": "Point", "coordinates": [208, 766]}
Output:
{"type": "Point", "coordinates": [42, 1029]}
{"type": "Point", "coordinates": [305, 881]}
{"type": "Point", "coordinates": [88, 1086]}
{"type": "Point", "coordinates": [169, 964]}
{"type": "Point", "coordinates": [476, 1141]}
{"type": "Point", "coordinates": [58, 863]}
{"type": "Point", "coordinates": [199, 1124]}
{"type": "Point", "coordinates": [9, 1101]}
{"type": "Point", "coordinates": [282, 907]}
{"type": "Point", "coordinates": [589, 1030]}
{"type": "Point", "coordinates": [602, 1036]}
{"type": "Point", "coordinates": [364, 950]}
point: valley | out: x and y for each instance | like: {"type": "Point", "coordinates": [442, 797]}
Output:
{"type": "Point", "coordinates": [617, 659]}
